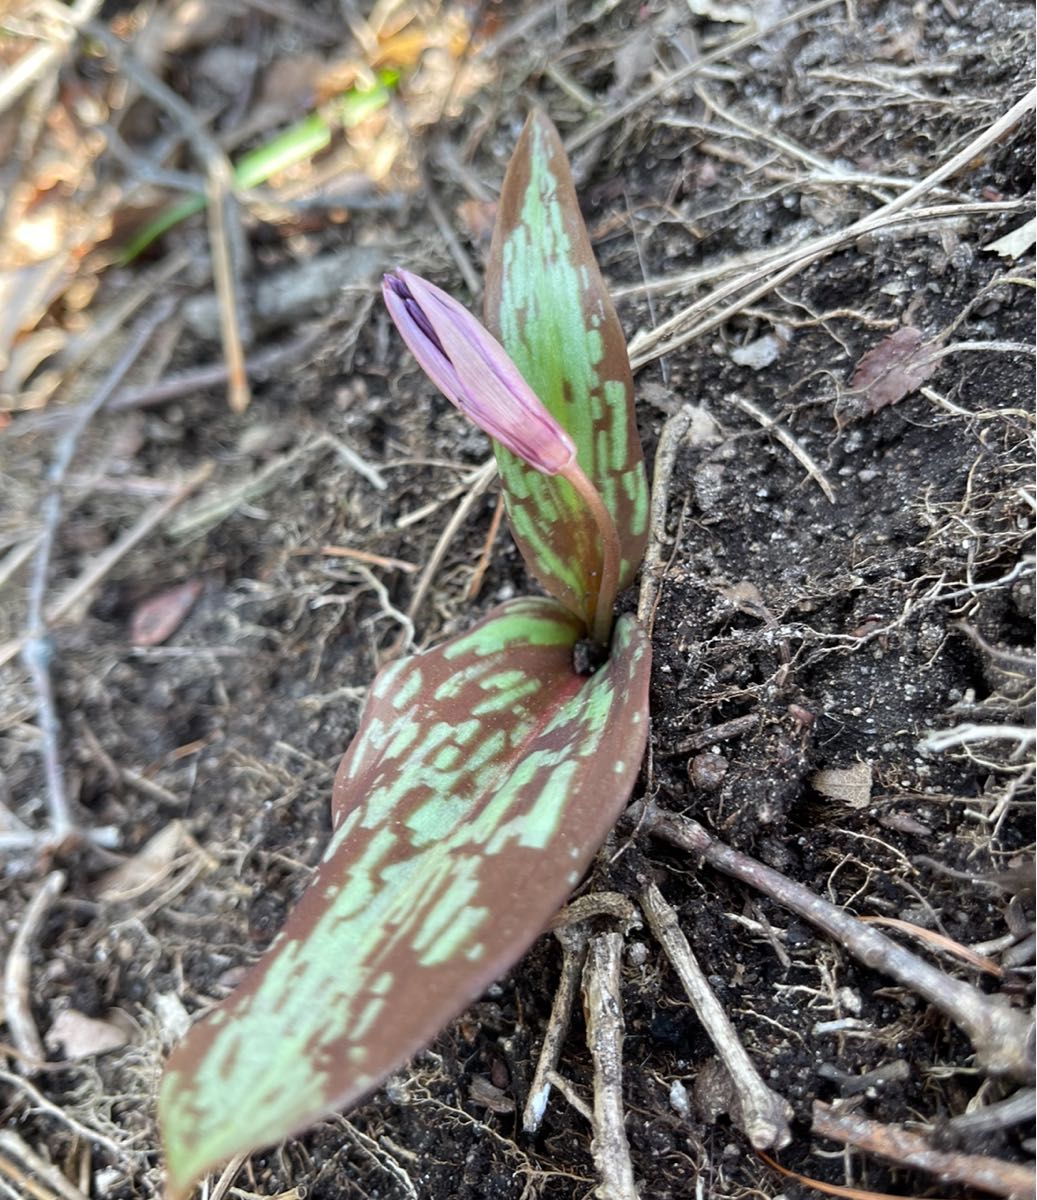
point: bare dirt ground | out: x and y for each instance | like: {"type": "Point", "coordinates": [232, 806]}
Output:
{"type": "Point", "coordinates": [842, 561]}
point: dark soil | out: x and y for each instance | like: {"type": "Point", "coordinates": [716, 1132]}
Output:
{"type": "Point", "coordinates": [848, 629]}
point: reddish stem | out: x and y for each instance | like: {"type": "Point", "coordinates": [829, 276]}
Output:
{"type": "Point", "coordinates": [601, 615]}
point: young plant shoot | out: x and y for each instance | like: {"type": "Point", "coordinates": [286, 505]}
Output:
{"type": "Point", "coordinates": [484, 774]}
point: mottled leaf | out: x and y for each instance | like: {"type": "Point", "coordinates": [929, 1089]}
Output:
{"type": "Point", "coordinates": [547, 303]}
{"type": "Point", "coordinates": [482, 778]}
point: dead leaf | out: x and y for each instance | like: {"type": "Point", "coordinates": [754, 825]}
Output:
{"type": "Point", "coordinates": [893, 369]}
{"type": "Point", "coordinates": [488, 1095]}
{"type": "Point", "coordinates": [1016, 242]}
{"type": "Point", "coordinates": [147, 868]}
{"type": "Point", "coordinates": [161, 616]}
{"type": "Point", "coordinates": [78, 1036]}
{"type": "Point", "coordinates": [850, 785]}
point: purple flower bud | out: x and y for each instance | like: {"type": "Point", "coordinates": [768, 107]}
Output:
{"type": "Point", "coordinates": [472, 369]}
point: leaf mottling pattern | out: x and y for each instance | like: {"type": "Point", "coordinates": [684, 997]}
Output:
{"type": "Point", "coordinates": [547, 302]}
{"type": "Point", "coordinates": [457, 836]}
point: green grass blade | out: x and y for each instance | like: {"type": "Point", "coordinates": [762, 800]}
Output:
{"type": "Point", "coordinates": [296, 144]}
{"type": "Point", "coordinates": [482, 779]}
{"type": "Point", "coordinates": [547, 302]}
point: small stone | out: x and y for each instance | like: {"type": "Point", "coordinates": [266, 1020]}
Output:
{"type": "Point", "coordinates": [706, 771]}
{"type": "Point", "coordinates": [637, 954]}
{"type": "Point", "coordinates": [679, 1101]}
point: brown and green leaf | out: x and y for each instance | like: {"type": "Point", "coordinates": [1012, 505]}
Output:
{"type": "Point", "coordinates": [548, 305]}
{"type": "Point", "coordinates": [482, 779]}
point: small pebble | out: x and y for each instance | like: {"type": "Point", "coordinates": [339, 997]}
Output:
{"type": "Point", "coordinates": [706, 771]}
{"type": "Point", "coordinates": [637, 954]}
{"type": "Point", "coordinates": [679, 1101]}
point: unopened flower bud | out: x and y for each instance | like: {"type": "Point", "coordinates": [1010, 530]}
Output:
{"type": "Point", "coordinates": [473, 370]}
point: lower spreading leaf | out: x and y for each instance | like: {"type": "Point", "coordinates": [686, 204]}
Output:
{"type": "Point", "coordinates": [482, 779]}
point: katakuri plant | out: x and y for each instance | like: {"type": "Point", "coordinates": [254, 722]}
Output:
{"type": "Point", "coordinates": [485, 773]}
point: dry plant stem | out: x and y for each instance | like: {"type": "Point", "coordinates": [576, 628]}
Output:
{"type": "Point", "coordinates": [1000, 1035]}
{"type": "Point", "coordinates": [12, 1144]}
{"type": "Point", "coordinates": [764, 1115]}
{"type": "Point", "coordinates": [673, 433]}
{"type": "Point", "coordinates": [383, 1159]}
{"type": "Point", "coordinates": [940, 942]}
{"type": "Point", "coordinates": [17, 970]}
{"type": "Point", "coordinates": [753, 266]}
{"type": "Point", "coordinates": [42, 1104]}
{"type": "Point", "coordinates": [608, 586]}
{"type": "Point", "coordinates": [486, 557]}
{"type": "Point", "coordinates": [788, 441]}
{"type": "Point", "coordinates": [800, 258]}
{"type": "Point", "coordinates": [173, 387]}
{"type": "Point", "coordinates": [233, 313]}
{"type": "Point", "coordinates": [100, 567]}
{"type": "Point", "coordinates": [479, 485]}
{"type": "Point", "coordinates": [909, 1149]}
{"type": "Point", "coordinates": [210, 511]}
{"type": "Point", "coordinates": [736, 727]}
{"type": "Point", "coordinates": [571, 1096]}
{"type": "Point", "coordinates": [603, 1009]}
{"type": "Point", "coordinates": [446, 229]}
{"type": "Point", "coordinates": [28, 1187]}
{"type": "Point", "coordinates": [36, 648]}
{"type": "Point", "coordinates": [227, 1177]}
{"type": "Point", "coordinates": [644, 350]}
{"type": "Point", "coordinates": [573, 940]}
{"type": "Point", "coordinates": [569, 927]}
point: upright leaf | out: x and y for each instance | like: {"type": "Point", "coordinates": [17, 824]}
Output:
{"type": "Point", "coordinates": [547, 303]}
{"type": "Point", "coordinates": [482, 778]}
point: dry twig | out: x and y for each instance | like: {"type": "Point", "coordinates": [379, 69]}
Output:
{"type": "Point", "coordinates": [603, 1008]}
{"type": "Point", "coordinates": [31, 66]}
{"type": "Point", "coordinates": [480, 482]}
{"type": "Point", "coordinates": [38, 1101]}
{"type": "Point", "coordinates": [570, 929]}
{"type": "Point", "coordinates": [35, 647]}
{"type": "Point", "coordinates": [636, 103]}
{"type": "Point", "coordinates": [673, 433]}
{"type": "Point", "coordinates": [910, 1149]}
{"type": "Point", "coordinates": [764, 1115]}
{"type": "Point", "coordinates": [788, 441]}
{"type": "Point", "coordinates": [761, 281]}
{"type": "Point", "coordinates": [1017, 1109]}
